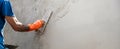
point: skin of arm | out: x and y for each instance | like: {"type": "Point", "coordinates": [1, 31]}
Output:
{"type": "Point", "coordinates": [16, 25]}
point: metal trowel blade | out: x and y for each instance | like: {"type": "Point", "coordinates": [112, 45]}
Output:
{"type": "Point", "coordinates": [46, 18]}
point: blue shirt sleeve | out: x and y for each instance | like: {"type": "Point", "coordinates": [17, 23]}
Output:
{"type": "Point", "coordinates": [7, 9]}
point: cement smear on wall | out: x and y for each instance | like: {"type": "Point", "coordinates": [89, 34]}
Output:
{"type": "Point", "coordinates": [28, 11]}
{"type": "Point", "coordinates": [75, 24]}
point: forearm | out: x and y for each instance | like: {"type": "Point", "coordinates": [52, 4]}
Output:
{"type": "Point", "coordinates": [18, 26]}
{"type": "Point", "coordinates": [22, 28]}
{"type": "Point", "coordinates": [30, 27]}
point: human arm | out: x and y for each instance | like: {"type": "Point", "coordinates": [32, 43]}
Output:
{"type": "Point", "coordinates": [18, 26]}
{"type": "Point", "coordinates": [8, 14]}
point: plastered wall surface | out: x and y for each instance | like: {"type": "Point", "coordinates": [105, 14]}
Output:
{"type": "Point", "coordinates": [75, 24]}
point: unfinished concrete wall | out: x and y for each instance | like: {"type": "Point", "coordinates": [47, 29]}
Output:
{"type": "Point", "coordinates": [75, 24]}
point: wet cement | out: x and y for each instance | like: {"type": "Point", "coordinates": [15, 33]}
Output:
{"type": "Point", "coordinates": [75, 24]}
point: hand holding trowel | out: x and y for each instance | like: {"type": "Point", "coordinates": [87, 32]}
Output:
{"type": "Point", "coordinates": [46, 19]}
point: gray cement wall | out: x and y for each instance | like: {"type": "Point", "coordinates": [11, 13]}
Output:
{"type": "Point", "coordinates": [75, 24]}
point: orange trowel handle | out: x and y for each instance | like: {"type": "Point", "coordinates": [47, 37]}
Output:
{"type": "Point", "coordinates": [36, 25]}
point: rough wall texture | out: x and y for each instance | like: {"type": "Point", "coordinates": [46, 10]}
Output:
{"type": "Point", "coordinates": [75, 24]}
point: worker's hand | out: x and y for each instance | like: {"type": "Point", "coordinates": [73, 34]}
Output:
{"type": "Point", "coordinates": [36, 25]}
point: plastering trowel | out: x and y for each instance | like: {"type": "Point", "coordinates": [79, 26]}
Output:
{"type": "Point", "coordinates": [46, 18]}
